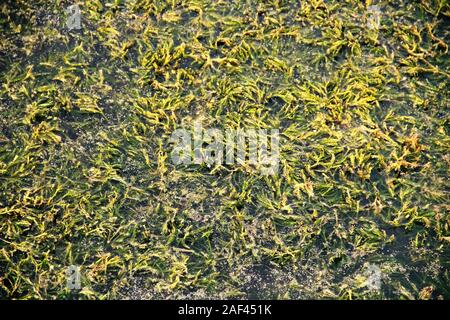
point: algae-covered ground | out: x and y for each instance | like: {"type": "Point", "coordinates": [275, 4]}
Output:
{"type": "Point", "coordinates": [359, 91]}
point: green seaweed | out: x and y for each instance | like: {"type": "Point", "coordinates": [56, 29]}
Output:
{"type": "Point", "coordinates": [85, 171]}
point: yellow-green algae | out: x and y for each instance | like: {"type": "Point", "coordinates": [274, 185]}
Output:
{"type": "Point", "coordinates": [85, 171]}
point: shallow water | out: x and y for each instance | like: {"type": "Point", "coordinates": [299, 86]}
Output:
{"type": "Point", "coordinates": [87, 177]}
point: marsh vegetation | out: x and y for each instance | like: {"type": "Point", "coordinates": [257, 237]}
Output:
{"type": "Point", "coordinates": [357, 89]}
